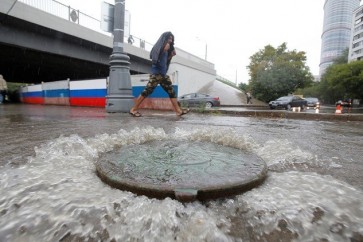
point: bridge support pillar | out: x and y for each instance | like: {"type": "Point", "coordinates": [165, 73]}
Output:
{"type": "Point", "coordinates": [119, 90]}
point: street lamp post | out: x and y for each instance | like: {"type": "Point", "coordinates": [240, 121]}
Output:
{"type": "Point", "coordinates": [206, 51]}
{"type": "Point", "coordinates": [206, 47]}
{"type": "Point", "coordinates": [119, 90]}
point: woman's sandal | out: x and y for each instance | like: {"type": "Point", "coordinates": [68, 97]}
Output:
{"type": "Point", "coordinates": [135, 114]}
{"type": "Point", "coordinates": [184, 111]}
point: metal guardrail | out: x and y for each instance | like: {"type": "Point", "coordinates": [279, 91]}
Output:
{"type": "Point", "coordinates": [76, 16]}
{"type": "Point", "coordinates": [226, 81]}
{"type": "Point", "coordinates": [66, 12]}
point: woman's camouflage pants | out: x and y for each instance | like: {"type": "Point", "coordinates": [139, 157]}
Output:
{"type": "Point", "coordinates": [164, 82]}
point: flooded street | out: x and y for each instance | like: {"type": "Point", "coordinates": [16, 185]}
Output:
{"type": "Point", "coordinates": [50, 190]}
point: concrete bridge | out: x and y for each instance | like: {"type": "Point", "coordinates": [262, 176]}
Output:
{"type": "Point", "coordinates": [42, 44]}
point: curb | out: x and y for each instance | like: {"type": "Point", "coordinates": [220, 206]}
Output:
{"type": "Point", "coordinates": [288, 115]}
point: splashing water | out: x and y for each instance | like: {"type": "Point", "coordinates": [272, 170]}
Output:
{"type": "Point", "coordinates": [313, 206]}
{"type": "Point", "coordinates": [57, 196]}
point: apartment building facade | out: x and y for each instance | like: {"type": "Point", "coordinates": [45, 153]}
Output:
{"type": "Point", "coordinates": [356, 43]}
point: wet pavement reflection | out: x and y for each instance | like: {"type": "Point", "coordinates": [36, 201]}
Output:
{"type": "Point", "coordinates": [50, 190]}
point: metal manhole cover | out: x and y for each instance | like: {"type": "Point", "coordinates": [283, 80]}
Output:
{"type": "Point", "coordinates": [184, 170]}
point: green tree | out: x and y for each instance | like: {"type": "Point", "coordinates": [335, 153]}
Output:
{"type": "Point", "coordinates": [311, 91]}
{"type": "Point", "coordinates": [277, 72]}
{"type": "Point", "coordinates": [342, 81]}
{"type": "Point", "coordinates": [243, 86]}
{"type": "Point", "coordinates": [322, 89]}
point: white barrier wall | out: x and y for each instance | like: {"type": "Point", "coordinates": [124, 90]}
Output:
{"type": "Point", "coordinates": [56, 92]}
{"type": "Point", "coordinates": [22, 91]}
{"type": "Point", "coordinates": [33, 94]}
{"type": "Point", "coordinates": [88, 93]}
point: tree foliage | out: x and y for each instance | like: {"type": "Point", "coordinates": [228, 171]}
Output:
{"type": "Point", "coordinates": [243, 86]}
{"type": "Point", "coordinates": [277, 72]}
{"type": "Point", "coordinates": [342, 81]}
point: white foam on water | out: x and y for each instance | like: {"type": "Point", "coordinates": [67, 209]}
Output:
{"type": "Point", "coordinates": [58, 195]}
{"type": "Point", "coordinates": [283, 152]}
{"type": "Point", "coordinates": [275, 152]}
{"type": "Point", "coordinates": [221, 136]}
{"type": "Point", "coordinates": [295, 196]}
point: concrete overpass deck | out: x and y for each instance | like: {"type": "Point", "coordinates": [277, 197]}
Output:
{"type": "Point", "coordinates": [37, 46]}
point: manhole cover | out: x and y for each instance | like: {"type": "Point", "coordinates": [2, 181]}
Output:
{"type": "Point", "coordinates": [184, 170]}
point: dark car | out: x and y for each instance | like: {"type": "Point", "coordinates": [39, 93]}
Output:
{"type": "Point", "coordinates": [288, 102]}
{"type": "Point", "coordinates": [313, 102]}
{"type": "Point", "coordinates": [345, 103]}
{"type": "Point", "coordinates": [198, 100]}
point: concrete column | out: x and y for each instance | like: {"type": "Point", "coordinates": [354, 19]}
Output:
{"type": "Point", "coordinates": [119, 90]}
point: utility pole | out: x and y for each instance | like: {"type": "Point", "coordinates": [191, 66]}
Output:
{"type": "Point", "coordinates": [206, 51]}
{"type": "Point", "coordinates": [236, 77]}
{"type": "Point", "coordinates": [119, 90]}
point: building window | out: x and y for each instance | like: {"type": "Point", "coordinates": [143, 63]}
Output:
{"type": "Point", "coordinates": [358, 20]}
{"type": "Point", "coordinates": [357, 36]}
{"type": "Point", "coordinates": [356, 29]}
{"type": "Point", "coordinates": [359, 13]}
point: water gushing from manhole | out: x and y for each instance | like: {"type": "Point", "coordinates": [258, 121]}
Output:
{"type": "Point", "coordinates": [56, 195]}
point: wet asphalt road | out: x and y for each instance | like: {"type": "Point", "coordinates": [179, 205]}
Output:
{"type": "Point", "coordinates": [24, 127]}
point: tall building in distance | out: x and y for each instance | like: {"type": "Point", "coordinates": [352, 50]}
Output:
{"type": "Point", "coordinates": [336, 37]}
{"type": "Point", "coordinates": [356, 44]}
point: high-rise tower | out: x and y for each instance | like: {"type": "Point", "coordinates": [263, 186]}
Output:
{"type": "Point", "coordinates": [337, 27]}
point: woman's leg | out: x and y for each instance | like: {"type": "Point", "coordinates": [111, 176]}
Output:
{"type": "Point", "coordinates": [138, 102]}
{"type": "Point", "coordinates": [176, 106]}
{"type": "Point", "coordinates": [150, 86]}
{"type": "Point", "coordinates": [167, 85]}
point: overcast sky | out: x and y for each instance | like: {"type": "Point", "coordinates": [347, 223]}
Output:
{"type": "Point", "coordinates": [233, 30]}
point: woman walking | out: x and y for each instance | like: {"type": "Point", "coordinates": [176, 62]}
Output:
{"type": "Point", "coordinates": [161, 55]}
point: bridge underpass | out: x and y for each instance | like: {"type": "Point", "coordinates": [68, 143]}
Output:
{"type": "Point", "coordinates": [29, 66]}
{"type": "Point", "coordinates": [33, 53]}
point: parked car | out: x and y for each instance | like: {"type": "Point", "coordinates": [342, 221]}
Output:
{"type": "Point", "coordinates": [313, 102]}
{"type": "Point", "coordinates": [345, 103]}
{"type": "Point", "coordinates": [288, 102]}
{"type": "Point", "coordinates": [198, 100]}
